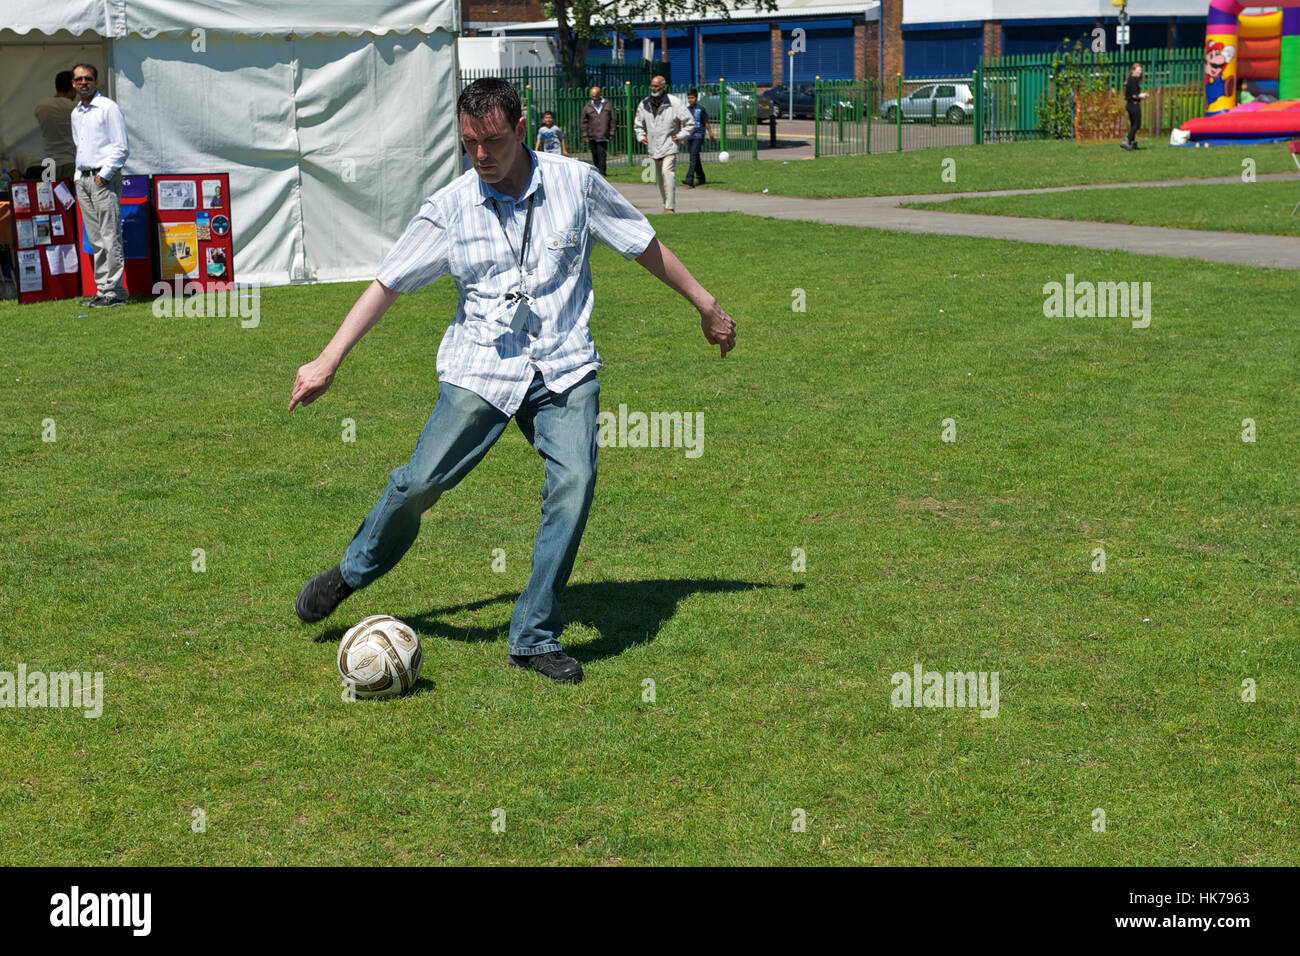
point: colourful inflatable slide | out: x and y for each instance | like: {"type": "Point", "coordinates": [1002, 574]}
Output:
{"type": "Point", "coordinates": [1258, 55]}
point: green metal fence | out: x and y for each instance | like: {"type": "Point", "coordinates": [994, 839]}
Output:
{"type": "Point", "coordinates": [1012, 88]}
{"type": "Point", "coordinates": [608, 76]}
{"type": "Point", "coordinates": [734, 127]}
{"type": "Point", "coordinates": [854, 117]}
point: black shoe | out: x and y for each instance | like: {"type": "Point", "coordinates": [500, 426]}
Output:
{"type": "Point", "coordinates": [90, 300]}
{"type": "Point", "coordinates": [556, 665]}
{"type": "Point", "coordinates": [106, 301]}
{"type": "Point", "coordinates": [321, 595]}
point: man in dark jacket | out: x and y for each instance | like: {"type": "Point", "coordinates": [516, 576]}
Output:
{"type": "Point", "coordinates": [597, 127]}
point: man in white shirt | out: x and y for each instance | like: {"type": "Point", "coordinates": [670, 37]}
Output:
{"type": "Point", "coordinates": [515, 234]}
{"type": "Point", "coordinates": [100, 134]}
{"type": "Point", "coordinates": [54, 116]}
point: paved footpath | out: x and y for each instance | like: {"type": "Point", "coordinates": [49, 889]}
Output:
{"type": "Point", "coordinates": [885, 212]}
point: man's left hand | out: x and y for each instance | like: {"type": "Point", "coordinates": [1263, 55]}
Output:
{"type": "Point", "coordinates": [719, 328]}
{"type": "Point", "coordinates": [99, 182]}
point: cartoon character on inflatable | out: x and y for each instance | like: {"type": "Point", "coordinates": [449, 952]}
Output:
{"type": "Point", "coordinates": [1217, 57]}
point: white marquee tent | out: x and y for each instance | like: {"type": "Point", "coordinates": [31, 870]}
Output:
{"type": "Point", "coordinates": [334, 119]}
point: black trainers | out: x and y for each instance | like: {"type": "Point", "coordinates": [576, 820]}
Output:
{"type": "Point", "coordinates": [321, 595]}
{"type": "Point", "coordinates": [90, 299]}
{"type": "Point", "coordinates": [556, 665]}
{"type": "Point", "coordinates": [106, 301]}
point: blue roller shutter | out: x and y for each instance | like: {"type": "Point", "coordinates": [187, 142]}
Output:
{"type": "Point", "coordinates": [829, 54]}
{"type": "Point", "coordinates": [740, 57]}
{"type": "Point", "coordinates": [942, 52]}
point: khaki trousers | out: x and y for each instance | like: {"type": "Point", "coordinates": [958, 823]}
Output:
{"type": "Point", "coordinates": [666, 174]}
{"type": "Point", "coordinates": [101, 211]}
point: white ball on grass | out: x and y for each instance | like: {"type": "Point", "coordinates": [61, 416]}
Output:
{"type": "Point", "coordinates": [380, 657]}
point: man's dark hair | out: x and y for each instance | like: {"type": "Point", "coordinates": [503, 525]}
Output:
{"type": "Point", "coordinates": [86, 66]}
{"type": "Point", "coordinates": [693, 92]}
{"type": "Point", "coordinates": [63, 81]}
{"type": "Point", "coordinates": [490, 93]}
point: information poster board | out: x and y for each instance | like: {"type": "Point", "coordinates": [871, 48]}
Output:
{"type": "Point", "coordinates": [45, 240]}
{"type": "Point", "coordinates": [195, 237]}
{"type": "Point", "coordinates": [137, 249]}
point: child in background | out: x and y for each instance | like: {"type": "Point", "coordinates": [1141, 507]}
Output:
{"type": "Point", "coordinates": [550, 138]}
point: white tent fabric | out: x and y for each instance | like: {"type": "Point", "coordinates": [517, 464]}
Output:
{"type": "Point", "coordinates": [116, 18]}
{"type": "Point", "coordinates": [26, 78]}
{"type": "Point", "coordinates": [331, 138]}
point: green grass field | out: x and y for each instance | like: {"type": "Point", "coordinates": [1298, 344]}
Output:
{"type": "Point", "coordinates": [1262, 208]}
{"type": "Point", "coordinates": [1119, 691]}
{"type": "Point", "coordinates": [1028, 165]}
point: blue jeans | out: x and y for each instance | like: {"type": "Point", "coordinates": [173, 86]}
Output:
{"type": "Point", "coordinates": [561, 427]}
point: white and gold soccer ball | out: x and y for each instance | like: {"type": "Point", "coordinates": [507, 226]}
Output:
{"type": "Point", "coordinates": [380, 657]}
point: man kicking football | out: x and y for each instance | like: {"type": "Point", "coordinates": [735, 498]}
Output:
{"type": "Point", "coordinates": [515, 235]}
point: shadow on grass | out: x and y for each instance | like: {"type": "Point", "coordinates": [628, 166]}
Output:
{"type": "Point", "coordinates": [623, 613]}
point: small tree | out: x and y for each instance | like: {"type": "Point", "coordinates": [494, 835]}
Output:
{"type": "Point", "coordinates": [1074, 70]}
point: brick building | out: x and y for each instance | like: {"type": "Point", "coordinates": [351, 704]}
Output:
{"type": "Point", "coordinates": [864, 38]}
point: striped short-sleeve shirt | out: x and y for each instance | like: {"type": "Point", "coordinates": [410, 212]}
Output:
{"type": "Point", "coordinates": [473, 233]}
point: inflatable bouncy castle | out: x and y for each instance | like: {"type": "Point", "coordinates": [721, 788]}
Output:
{"type": "Point", "coordinates": [1252, 76]}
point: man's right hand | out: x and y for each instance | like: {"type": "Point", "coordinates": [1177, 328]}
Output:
{"type": "Point", "coordinates": [312, 381]}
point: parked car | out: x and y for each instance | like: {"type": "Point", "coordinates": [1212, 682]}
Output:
{"type": "Point", "coordinates": [951, 102]}
{"type": "Point", "coordinates": [739, 104]}
{"type": "Point", "coordinates": [778, 101]}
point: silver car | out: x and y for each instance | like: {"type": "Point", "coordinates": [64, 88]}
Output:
{"type": "Point", "coordinates": [739, 105]}
{"type": "Point", "coordinates": [951, 102]}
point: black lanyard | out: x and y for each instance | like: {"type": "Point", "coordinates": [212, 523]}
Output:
{"type": "Point", "coordinates": [528, 228]}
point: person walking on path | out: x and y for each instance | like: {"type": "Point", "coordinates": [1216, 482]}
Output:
{"type": "Point", "coordinates": [660, 125]}
{"type": "Point", "coordinates": [597, 127]}
{"type": "Point", "coordinates": [1133, 97]}
{"type": "Point", "coordinates": [694, 171]}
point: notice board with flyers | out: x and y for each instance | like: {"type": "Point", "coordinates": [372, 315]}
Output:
{"type": "Point", "coordinates": [195, 237]}
{"type": "Point", "coordinates": [45, 239]}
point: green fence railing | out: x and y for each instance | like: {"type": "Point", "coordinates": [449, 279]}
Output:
{"type": "Point", "coordinates": [853, 117]}
{"type": "Point", "coordinates": [733, 118]}
{"type": "Point", "coordinates": [608, 76]}
{"type": "Point", "coordinates": [1013, 87]}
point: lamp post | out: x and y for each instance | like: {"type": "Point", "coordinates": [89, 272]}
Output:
{"type": "Point", "coordinates": [789, 82]}
{"type": "Point", "coordinates": [1121, 32]}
